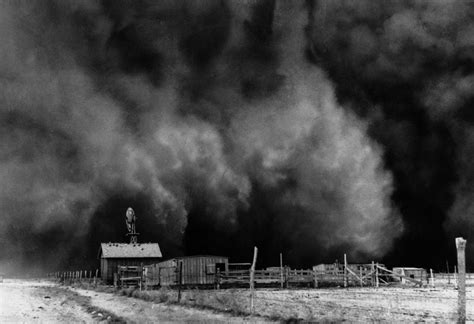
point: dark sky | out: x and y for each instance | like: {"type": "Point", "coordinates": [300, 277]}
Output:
{"type": "Point", "coordinates": [311, 128]}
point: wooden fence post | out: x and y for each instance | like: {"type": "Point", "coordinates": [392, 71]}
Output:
{"type": "Point", "coordinates": [447, 268]}
{"type": "Point", "coordinates": [218, 278]}
{"type": "Point", "coordinates": [345, 270]}
{"type": "Point", "coordinates": [432, 278]}
{"type": "Point", "coordinates": [180, 279]}
{"type": "Point", "coordinates": [281, 270]}
{"type": "Point", "coordinates": [455, 277]}
{"type": "Point", "coordinates": [252, 277]}
{"type": "Point", "coordinates": [373, 274]}
{"type": "Point", "coordinates": [377, 275]}
{"type": "Point", "coordinates": [461, 255]}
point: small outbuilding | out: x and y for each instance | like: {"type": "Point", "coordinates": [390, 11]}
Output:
{"type": "Point", "coordinates": [188, 270]}
{"type": "Point", "coordinates": [112, 255]}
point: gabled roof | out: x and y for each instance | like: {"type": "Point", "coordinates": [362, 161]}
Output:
{"type": "Point", "coordinates": [125, 250]}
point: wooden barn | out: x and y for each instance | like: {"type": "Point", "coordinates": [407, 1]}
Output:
{"type": "Point", "coordinates": [196, 270]}
{"type": "Point", "coordinates": [112, 255]}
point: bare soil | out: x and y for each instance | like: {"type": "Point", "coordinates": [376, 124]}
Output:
{"type": "Point", "coordinates": [388, 304]}
{"type": "Point", "coordinates": [42, 301]}
{"type": "Point", "coordinates": [34, 301]}
{"type": "Point", "coordinates": [48, 302]}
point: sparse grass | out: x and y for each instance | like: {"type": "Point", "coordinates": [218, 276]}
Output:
{"type": "Point", "coordinates": [158, 296]}
{"type": "Point", "coordinates": [85, 303]}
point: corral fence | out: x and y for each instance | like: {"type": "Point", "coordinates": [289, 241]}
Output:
{"type": "Point", "coordinates": [285, 277]}
{"type": "Point", "coordinates": [337, 275]}
{"type": "Point", "coordinates": [219, 275]}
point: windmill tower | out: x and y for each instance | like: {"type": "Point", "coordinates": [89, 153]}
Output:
{"type": "Point", "coordinates": [130, 220]}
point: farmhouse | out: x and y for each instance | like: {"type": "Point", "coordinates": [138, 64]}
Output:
{"type": "Point", "coordinates": [112, 255]}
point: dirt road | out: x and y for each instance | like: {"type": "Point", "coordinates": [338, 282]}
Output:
{"type": "Point", "coordinates": [46, 302]}
{"type": "Point", "coordinates": [140, 311]}
{"type": "Point", "coordinates": [30, 301]}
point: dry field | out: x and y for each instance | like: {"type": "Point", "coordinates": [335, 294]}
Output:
{"type": "Point", "coordinates": [353, 304]}
{"type": "Point", "coordinates": [30, 301]}
{"type": "Point", "coordinates": [42, 301]}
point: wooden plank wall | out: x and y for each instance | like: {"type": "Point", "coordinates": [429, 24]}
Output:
{"type": "Point", "coordinates": [109, 266]}
{"type": "Point", "coordinates": [198, 270]}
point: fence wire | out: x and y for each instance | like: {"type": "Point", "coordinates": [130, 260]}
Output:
{"type": "Point", "coordinates": [400, 296]}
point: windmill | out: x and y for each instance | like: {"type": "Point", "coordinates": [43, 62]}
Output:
{"type": "Point", "coordinates": [130, 219]}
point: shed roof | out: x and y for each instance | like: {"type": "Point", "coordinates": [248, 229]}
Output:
{"type": "Point", "coordinates": [409, 268]}
{"type": "Point", "coordinates": [125, 250]}
{"type": "Point", "coordinates": [200, 256]}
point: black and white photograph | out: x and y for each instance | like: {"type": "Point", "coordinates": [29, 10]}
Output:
{"type": "Point", "coordinates": [236, 161]}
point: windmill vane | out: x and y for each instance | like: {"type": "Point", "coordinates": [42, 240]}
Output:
{"type": "Point", "coordinates": [130, 220]}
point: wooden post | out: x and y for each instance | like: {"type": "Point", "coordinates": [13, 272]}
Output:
{"type": "Point", "coordinates": [315, 279]}
{"type": "Point", "coordinates": [455, 277]}
{"type": "Point", "coordinates": [447, 269]}
{"type": "Point", "coordinates": [345, 270]}
{"type": "Point", "coordinates": [180, 279]}
{"type": "Point", "coordinates": [377, 275]}
{"type": "Point", "coordinates": [432, 278]}
{"type": "Point", "coordinates": [372, 268]}
{"type": "Point", "coordinates": [461, 254]}
{"type": "Point", "coordinates": [218, 278]}
{"type": "Point", "coordinates": [252, 277]}
{"type": "Point", "coordinates": [281, 270]}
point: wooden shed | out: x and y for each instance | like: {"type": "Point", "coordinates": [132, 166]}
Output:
{"type": "Point", "coordinates": [113, 255]}
{"type": "Point", "coordinates": [196, 270]}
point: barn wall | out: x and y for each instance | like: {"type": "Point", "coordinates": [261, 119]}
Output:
{"type": "Point", "coordinates": [109, 266]}
{"type": "Point", "coordinates": [197, 270]}
{"type": "Point", "coordinates": [103, 268]}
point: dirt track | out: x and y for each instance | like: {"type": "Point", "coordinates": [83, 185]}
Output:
{"type": "Point", "coordinates": [45, 302]}
{"type": "Point", "coordinates": [30, 301]}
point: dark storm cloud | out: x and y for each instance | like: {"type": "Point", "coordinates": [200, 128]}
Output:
{"type": "Point", "coordinates": [204, 116]}
{"type": "Point", "coordinates": [407, 66]}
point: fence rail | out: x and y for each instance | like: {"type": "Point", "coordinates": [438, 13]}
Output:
{"type": "Point", "coordinates": [91, 276]}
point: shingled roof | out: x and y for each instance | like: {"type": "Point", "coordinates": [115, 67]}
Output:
{"type": "Point", "coordinates": [125, 250]}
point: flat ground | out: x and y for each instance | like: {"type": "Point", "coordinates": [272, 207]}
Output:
{"type": "Point", "coordinates": [47, 302]}
{"type": "Point", "coordinates": [42, 301]}
{"type": "Point", "coordinates": [389, 304]}
{"type": "Point", "coordinates": [32, 301]}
